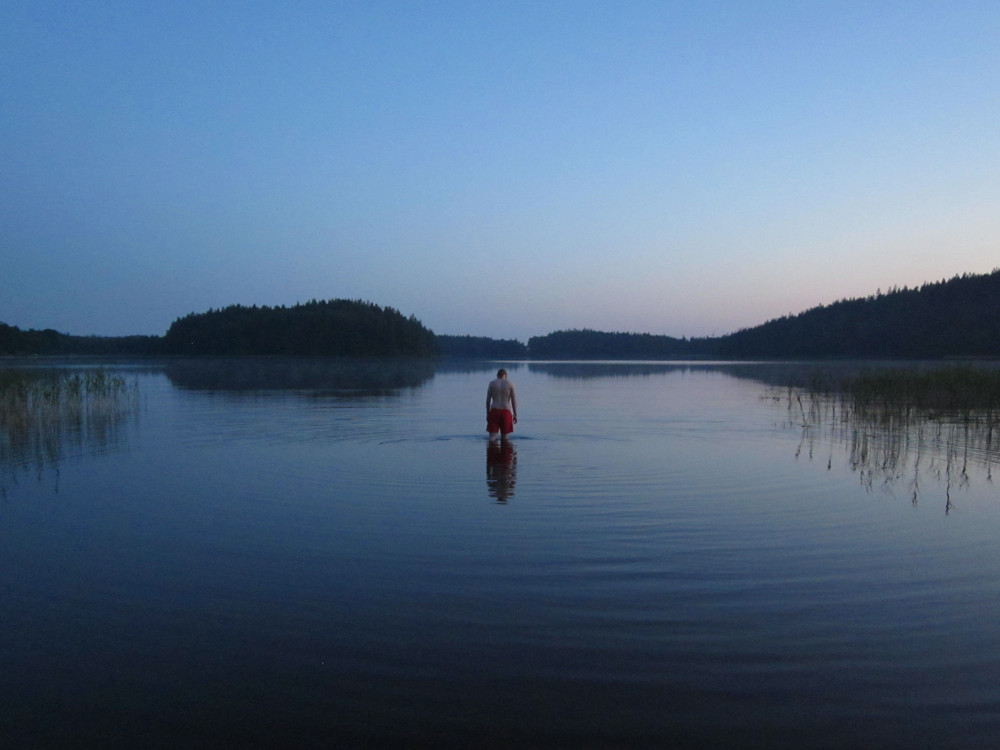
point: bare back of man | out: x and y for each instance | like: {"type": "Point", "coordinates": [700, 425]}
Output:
{"type": "Point", "coordinates": [501, 406]}
{"type": "Point", "coordinates": [500, 393]}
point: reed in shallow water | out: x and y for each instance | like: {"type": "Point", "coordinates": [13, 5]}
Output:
{"type": "Point", "coordinates": [950, 390]}
{"type": "Point", "coordinates": [29, 396]}
{"type": "Point", "coordinates": [43, 413]}
{"type": "Point", "coordinates": [905, 426]}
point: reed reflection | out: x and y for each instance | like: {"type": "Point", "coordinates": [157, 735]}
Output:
{"type": "Point", "coordinates": [48, 415]}
{"type": "Point", "coordinates": [893, 444]}
{"type": "Point", "coordinates": [501, 469]}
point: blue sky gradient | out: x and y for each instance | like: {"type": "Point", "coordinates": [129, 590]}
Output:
{"type": "Point", "coordinates": [503, 169]}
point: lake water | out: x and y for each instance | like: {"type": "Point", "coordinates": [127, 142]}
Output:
{"type": "Point", "coordinates": [255, 553]}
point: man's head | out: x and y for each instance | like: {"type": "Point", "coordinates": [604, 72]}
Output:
{"type": "Point", "coordinates": [501, 373]}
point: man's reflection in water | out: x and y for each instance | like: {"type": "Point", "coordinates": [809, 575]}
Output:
{"type": "Point", "coordinates": [501, 469]}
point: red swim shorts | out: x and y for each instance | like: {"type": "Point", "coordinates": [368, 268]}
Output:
{"type": "Point", "coordinates": [499, 420]}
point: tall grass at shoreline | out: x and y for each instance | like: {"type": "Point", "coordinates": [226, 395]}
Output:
{"type": "Point", "coordinates": [27, 396]}
{"type": "Point", "coordinates": [45, 413]}
{"type": "Point", "coordinates": [954, 390]}
{"type": "Point", "coordinates": [905, 426]}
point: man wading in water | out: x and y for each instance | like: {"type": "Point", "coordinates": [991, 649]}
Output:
{"type": "Point", "coordinates": [501, 407]}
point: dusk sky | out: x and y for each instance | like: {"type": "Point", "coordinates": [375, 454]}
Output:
{"type": "Point", "coordinates": [502, 169]}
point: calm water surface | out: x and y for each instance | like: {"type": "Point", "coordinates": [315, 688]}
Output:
{"type": "Point", "coordinates": [666, 555]}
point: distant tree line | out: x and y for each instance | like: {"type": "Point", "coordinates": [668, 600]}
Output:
{"type": "Point", "coordinates": [481, 347]}
{"type": "Point", "coordinates": [590, 344]}
{"type": "Point", "coordinates": [959, 317]}
{"type": "Point", "coordinates": [15, 342]}
{"type": "Point", "coordinates": [332, 328]}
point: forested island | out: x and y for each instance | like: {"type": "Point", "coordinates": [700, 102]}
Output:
{"type": "Point", "coordinates": [959, 317]}
{"type": "Point", "coordinates": [350, 328]}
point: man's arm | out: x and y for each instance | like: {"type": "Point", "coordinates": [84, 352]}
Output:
{"type": "Point", "coordinates": [513, 402]}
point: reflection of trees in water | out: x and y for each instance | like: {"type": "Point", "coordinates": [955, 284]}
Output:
{"type": "Point", "coordinates": [821, 376]}
{"type": "Point", "coordinates": [458, 366]}
{"type": "Point", "coordinates": [344, 376]}
{"type": "Point", "coordinates": [892, 445]}
{"type": "Point", "coordinates": [47, 415]}
{"type": "Point", "coordinates": [799, 374]}
{"type": "Point", "coordinates": [592, 370]}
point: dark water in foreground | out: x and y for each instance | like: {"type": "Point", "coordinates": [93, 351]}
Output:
{"type": "Point", "coordinates": [667, 555]}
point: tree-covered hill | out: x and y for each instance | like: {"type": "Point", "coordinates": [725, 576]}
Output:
{"type": "Point", "coordinates": [331, 328]}
{"type": "Point", "coordinates": [955, 318]}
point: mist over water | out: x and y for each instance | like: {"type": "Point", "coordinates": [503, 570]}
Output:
{"type": "Point", "coordinates": [331, 553]}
